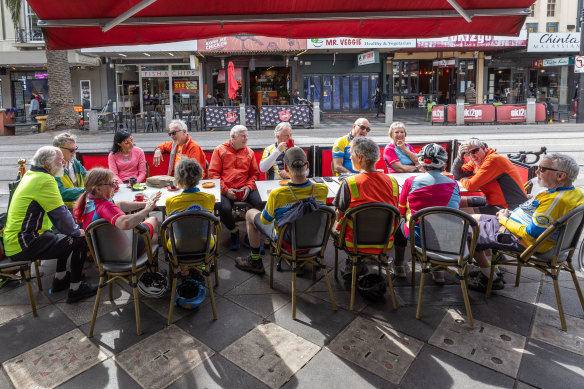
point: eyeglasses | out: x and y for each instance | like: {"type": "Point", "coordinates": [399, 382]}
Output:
{"type": "Point", "coordinates": [70, 150]}
{"type": "Point", "coordinates": [111, 184]}
{"type": "Point", "coordinates": [173, 133]}
{"type": "Point", "coordinates": [545, 169]}
{"type": "Point", "coordinates": [361, 126]}
{"type": "Point", "coordinates": [473, 151]}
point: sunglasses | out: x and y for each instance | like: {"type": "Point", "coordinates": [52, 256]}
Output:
{"type": "Point", "coordinates": [173, 133]}
{"type": "Point", "coordinates": [364, 127]}
{"type": "Point", "coordinates": [545, 169]}
{"type": "Point", "coordinates": [473, 151]}
{"type": "Point", "coordinates": [70, 150]}
{"type": "Point", "coordinates": [111, 184]}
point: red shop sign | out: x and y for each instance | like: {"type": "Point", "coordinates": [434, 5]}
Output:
{"type": "Point", "coordinates": [479, 113]}
{"type": "Point", "coordinates": [511, 113]}
{"type": "Point", "coordinates": [438, 114]}
{"type": "Point", "coordinates": [451, 113]}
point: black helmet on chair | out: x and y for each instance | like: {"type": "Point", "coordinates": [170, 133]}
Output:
{"type": "Point", "coordinates": [152, 284]}
{"type": "Point", "coordinates": [372, 286]}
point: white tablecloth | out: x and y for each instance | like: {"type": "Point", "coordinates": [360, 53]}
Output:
{"type": "Point", "coordinates": [127, 194]}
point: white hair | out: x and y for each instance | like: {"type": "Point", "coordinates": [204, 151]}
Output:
{"type": "Point", "coordinates": [280, 127]}
{"type": "Point", "coordinates": [44, 155]}
{"type": "Point", "coordinates": [180, 123]}
{"type": "Point", "coordinates": [237, 129]}
{"type": "Point", "coordinates": [564, 163]}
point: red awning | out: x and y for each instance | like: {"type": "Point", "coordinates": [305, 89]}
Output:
{"type": "Point", "coordinates": [75, 24]}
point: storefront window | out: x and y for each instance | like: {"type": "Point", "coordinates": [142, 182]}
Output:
{"type": "Point", "coordinates": [155, 87]}
{"type": "Point", "coordinates": [24, 84]}
{"type": "Point", "coordinates": [185, 89]}
{"type": "Point", "coordinates": [531, 27]}
{"type": "Point", "coordinates": [551, 27]}
{"type": "Point", "coordinates": [342, 93]}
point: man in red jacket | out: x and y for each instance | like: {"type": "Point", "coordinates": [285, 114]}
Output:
{"type": "Point", "coordinates": [235, 165]}
{"type": "Point", "coordinates": [181, 145]}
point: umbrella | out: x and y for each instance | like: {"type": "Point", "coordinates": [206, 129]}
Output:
{"type": "Point", "coordinates": [233, 87]}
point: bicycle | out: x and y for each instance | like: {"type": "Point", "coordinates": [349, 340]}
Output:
{"type": "Point", "coordinates": [522, 156]}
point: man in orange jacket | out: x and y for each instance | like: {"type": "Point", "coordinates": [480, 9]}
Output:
{"type": "Point", "coordinates": [235, 165]}
{"type": "Point", "coordinates": [181, 145]}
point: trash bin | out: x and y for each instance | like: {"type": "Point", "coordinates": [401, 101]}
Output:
{"type": "Point", "coordinates": [43, 121]}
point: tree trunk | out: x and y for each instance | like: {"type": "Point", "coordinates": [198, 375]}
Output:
{"type": "Point", "coordinates": [62, 116]}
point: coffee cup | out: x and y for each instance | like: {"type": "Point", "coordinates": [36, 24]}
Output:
{"type": "Point", "coordinates": [290, 143]}
{"type": "Point", "coordinates": [240, 194]}
{"type": "Point", "coordinates": [132, 180]}
{"type": "Point", "coordinates": [139, 196]}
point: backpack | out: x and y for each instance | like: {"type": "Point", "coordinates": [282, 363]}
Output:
{"type": "Point", "coordinates": [302, 207]}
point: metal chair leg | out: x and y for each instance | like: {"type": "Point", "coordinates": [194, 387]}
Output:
{"type": "Point", "coordinates": [353, 283]}
{"type": "Point", "coordinates": [518, 275]}
{"type": "Point", "coordinates": [422, 279]}
{"type": "Point", "coordinates": [212, 295]}
{"type": "Point", "coordinates": [559, 301]}
{"type": "Point", "coordinates": [38, 274]}
{"type": "Point", "coordinates": [293, 290]}
{"type": "Point", "coordinates": [391, 291]}
{"type": "Point", "coordinates": [30, 294]}
{"type": "Point", "coordinates": [271, 270]}
{"type": "Point", "coordinates": [465, 297]}
{"type": "Point", "coordinates": [336, 261]}
{"type": "Point", "coordinates": [96, 306]}
{"type": "Point", "coordinates": [330, 289]}
{"type": "Point", "coordinates": [577, 285]}
{"type": "Point", "coordinates": [136, 304]}
{"type": "Point", "coordinates": [174, 273]}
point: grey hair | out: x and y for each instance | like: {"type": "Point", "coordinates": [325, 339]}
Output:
{"type": "Point", "coordinates": [476, 142]}
{"type": "Point", "coordinates": [281, 126]}
{"type": "Point", "coordinates": [44, 155]}
{"type": "Point", "coordinates": [180, 123]}
{"type": "Point", "coordinates": [237, 129]}
{"type": "Point", "coordinates": [367, 148]}
{"type": "Point", "coordinates": [188, 173]}
{"type": "Point", "coordinates": [395, 125]}
{"type": "Point", "coordinates": [62, 139]}
{"type": "Point", "coordinates": [564, 163]}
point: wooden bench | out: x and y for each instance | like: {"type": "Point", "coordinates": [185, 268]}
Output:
{"type": "Point", "coordinates": [10, 128]}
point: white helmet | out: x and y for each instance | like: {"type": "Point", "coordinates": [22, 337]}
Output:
{"type": "Point", "coordinates": [152, 284]}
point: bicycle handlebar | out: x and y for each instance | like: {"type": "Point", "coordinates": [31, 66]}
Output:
{"type": "Point", "coordinates": [522, 156]}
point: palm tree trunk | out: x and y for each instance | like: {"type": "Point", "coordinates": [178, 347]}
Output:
{"type": "Point", "coordinates": [62, 116]}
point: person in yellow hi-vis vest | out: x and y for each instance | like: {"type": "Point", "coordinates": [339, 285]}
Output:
{"type": "Point", "coordinates": [72, 184]}
{"type": "Point", "coordinates": [369, 186]}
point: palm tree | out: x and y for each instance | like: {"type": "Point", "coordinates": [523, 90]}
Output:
{"type": "Point", "coordinates": [62, 116]}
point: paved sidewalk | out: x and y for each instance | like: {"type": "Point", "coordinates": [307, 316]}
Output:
{"type": "Point", "coordinates": [516, 343]}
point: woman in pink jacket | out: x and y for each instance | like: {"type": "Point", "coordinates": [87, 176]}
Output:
{"type": "Point", "coordinates": [126, 160]}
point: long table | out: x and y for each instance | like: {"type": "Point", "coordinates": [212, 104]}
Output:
{"type": "Point", "coordinates": [127, 194]}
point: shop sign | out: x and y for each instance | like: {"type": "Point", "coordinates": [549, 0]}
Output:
{"type": "Point", "coordinates": [472, 41]}
{"type": "Point", "coordinates": [579, 64]}
{"type": "Point", "coordinates": [221, 75]}
{"type": "Point", "coordinates": [511, 113]}
{"type": "Point", "coordinates": [444, 63]}
{"type": "Point", "coordinates": [479, 113]}
{"type": "Point", "coordinates": [359, 43]}
{"type": "Point", "coordinates": [553, 42]}
{"type": "Point", "coordinates": [368, 58]}
{"type": "Point", "coordinates": [166, 73]}
{"type": "Point", "coordinates": [247, 43]}
{"type": "Point", "coordinates": [186, 86]}
{"type": "Point", "coordinates": [438, 114]}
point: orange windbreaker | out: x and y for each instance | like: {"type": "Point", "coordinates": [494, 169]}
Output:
{"type": "Point", "coordinates": [190, 149]}
{"type": "Point", "coordinates": [235, 168]}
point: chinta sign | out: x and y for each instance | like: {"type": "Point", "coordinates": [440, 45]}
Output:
{"type": "Point", "coordinates": [546, 42]}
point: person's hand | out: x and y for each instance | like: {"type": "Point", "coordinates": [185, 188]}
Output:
{"type": "Point", "coordinates": [282, 147]}
{"type": "Point", "coordinates": [400, 143]}
{"type": "Point", "coordinates": [151, 203]}
{"type": "Point", "coordinates": [461, 150]}
{"type": "Point", "coordinates": [157, 157]}
{"type": "Point", "coordinates": [283, 174]}
{"type": "Point", "coordinates": [503, 213]}
{"type": "Point", "coordinates": [81, 233]}
{"type": "Point", "coordinates": [231, 194]}
{"type": "Point", "coordinates": [246, 192]}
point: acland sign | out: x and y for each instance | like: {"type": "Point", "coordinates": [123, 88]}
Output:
{"type": "Point", "coordinates": [553, 42]}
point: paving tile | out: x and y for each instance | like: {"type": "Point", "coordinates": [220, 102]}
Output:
{"type": "Point", "coordinates": [436, 368]}
{"type": "Point", "coordinates": [376, 348]}
{"type": "Point", "coordinates": [5, 381]}
{"type": "Point", "coordinates": [261, 304]}
{"type": "Point", "coordinates": [303, 282]}
{"type": "Point", "coordinates": [326, 370]}
{"type": "Point", "coordinates": [261, 285]}
{"type": "Point", "coordinates": [444, 295]}
{"type": "Point", "coordinates": [270, 353]}
{"type": "Point", "coordinates": [508, 314]}
{"type": "Point", "coordinates": [161, 305]}
{"type": "Point", "coordinates": [315, 319]}
{"type": "Point", "coordinates": [528, 292]}
{"type": "Point", "coordinates": [16, 303]}
{"type": "Point", "coordinates": [570, 300]}
{"type": "Point", "coordinates": [81, 312]}
{"type": "Point", "coordinates": [53, 362]}
{"type": "Point", "coordinates": [545, 366]}
{"type": "Point", "coordinates": [105, 375]}
{"type": "Point", "coordinates": [343, 299]}
{"type": "Point", "coordinates": [229, 275]}
{"type": "Point", "coordinates": [162, 358]}
{"type": "Point", "coordinates": [523, 385]}
{"type": "Point", "coordinates": [486, 344]}
{"type": "Point", "coordinates": [528, 274]}
{"type": "Point", "coordinates": [115, 331]}
{"type": "Point", "coordinates": [547, 328]}
{"type": "Point", "coordinates": [26, 332]}
{"type": "Point", "coordinates": [233, 321]}
{"type": "Point", "coordinates": [217, 372]}
{"type": "Point", "coordinates": [404, 318]}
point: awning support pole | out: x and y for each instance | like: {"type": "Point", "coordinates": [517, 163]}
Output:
{"type": "Point", "coordinates": [126, 15]}
{"type": "Point", "coordinates": [460, 10]}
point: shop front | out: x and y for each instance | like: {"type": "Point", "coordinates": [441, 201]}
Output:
{"type": "Point", "coordinates": [26, 83]}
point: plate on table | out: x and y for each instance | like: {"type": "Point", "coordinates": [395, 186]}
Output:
{"type": "Point", "coordinates": [208, 185]}
{"type": "Point", "coordinates": [172, 188]}
{"type": "Point", "coordinates": [139, 187]}
{"type": "Point", "coordinates": [283, 182]}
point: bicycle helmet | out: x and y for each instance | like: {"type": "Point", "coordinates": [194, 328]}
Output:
{"type": "Point", "coordinates": [372, 286]}
{"type": "Point", "coordinates": [432, 156]}
{"type": "Point", "coordinates": [189, 294]}
{"type": "Point", "coordinates": [152, 284]}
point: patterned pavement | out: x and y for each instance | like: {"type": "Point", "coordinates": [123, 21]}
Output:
{"type": "Point", "coordinates": [516, 342]}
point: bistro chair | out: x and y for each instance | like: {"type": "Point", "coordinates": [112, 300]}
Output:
{"type": "Point", "coordinates": [443, 245]}
{"type": "Point", "coordinates": [373, 224]}
{"type": "Point", "coordinates": [309, 237]}
{"type": "Point", "coordinates": [116, 254]}
{"type": "Point", "coordinates": [566, 231]}
{"type": "Point", "coordinates": [190, 235]}
{"type": "Point", "coordinates": [10, 269]}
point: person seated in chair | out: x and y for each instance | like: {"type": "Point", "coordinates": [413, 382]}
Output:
{"type": "Point", "coordinates": [181, 146]}
{"type": "Point", "coordinates": [126, 160]}
{"type": "Point", "coordinates": [96, 202]}
{"type": "Point", "coordinates": [490, 172]}
{"type": "Point", "coordinates": [279, 201]}
{"type": "Point", "coordinates": [272, 162]}
{"type": "Point", "coordinates": [341, 155]}
{"type": "Point", "coordinates": [235, 165]}
{"type": "Point", "coordinates": [37, 206]}
{"type": "Point", "coordinates": [516, 230]}
{"type": "Point", "coordinates": [369, 186]}
{"type": "Point", "coordinates": [71, 183]}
